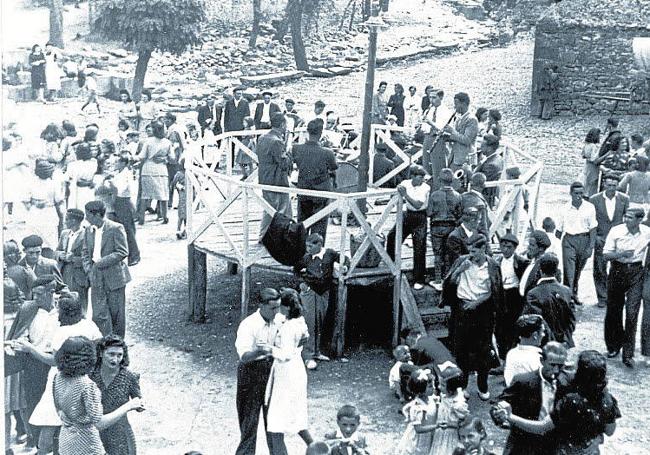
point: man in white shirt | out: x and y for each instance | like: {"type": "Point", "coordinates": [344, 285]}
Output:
{"type": "Point", "coordinates": [416, 195]}
{"type": "Point", "coordinates": [527, 355]}
{"type": "Point", "coordinates": [625, 248]}
{"type": "Point", "coordinates": [122, 213]}
{"type": "Point", "coordinates": [577, 229]}
{"type": "Point", "coordinates": [68, 255]}
{"type": "Point", "coordinates": [264, 111]}
{"type": "Point", "coordinates": [255, 337]}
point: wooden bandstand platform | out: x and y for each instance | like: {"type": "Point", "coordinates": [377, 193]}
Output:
{"type": "Point", "coordinates": [224, 222]}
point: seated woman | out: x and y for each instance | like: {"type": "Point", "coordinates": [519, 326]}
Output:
{"type": "Point", "coordinates": [582, 415]}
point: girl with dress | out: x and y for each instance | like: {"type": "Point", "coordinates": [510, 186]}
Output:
{"type": "Point", "coordinates": [52, 71]}
{"type": "Point", "coordinates": [118, 385]}
{"type": "Point", "coordinates": [37, 69]}
{"type": "Point", "coordinates": [78, 401]}
{"type": "Point", "coordinates": [286, 390]}
{"type": "Point", "coordinates": [44, 203]}
{"type": "Point", "coordinates": [179, 185]}
{"type": "Point", "coordinates": [80, 177]}
{"type": "Point", "coordinates": [451, 411]}
{"type": "Point", "coordinates": [396, 104]}
{"type": "Point", "coordinates": [420, 415]}
{"type": "Point", "coordinates": [127, 110]}
{"type": "Point", "coordinates": [154, 185]}
{"type": "Point", "coordinates": [590, 171]}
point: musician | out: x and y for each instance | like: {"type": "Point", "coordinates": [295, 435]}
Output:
{"type": "Point", "coordinates": [492, 166]}
{"type": "Point", "coordinates": [434, 149]}
{"type": "Point", "coordinates": [461, 132]}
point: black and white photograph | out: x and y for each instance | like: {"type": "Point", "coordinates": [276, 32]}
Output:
{"type": "Point", "coordinates": [326, 227]}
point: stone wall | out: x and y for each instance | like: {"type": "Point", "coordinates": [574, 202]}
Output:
{"type": "Point", "coordinates": [589, 59]}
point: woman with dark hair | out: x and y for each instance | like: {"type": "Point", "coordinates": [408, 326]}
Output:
{"type": "Point", "coordinates": [72, 324]}
{"type": "Point", "coordinates": [493, 125]}
{"type": "Point", "coordinates": [616, 160]}
{"type": "Point", "coordinates": [286, 391]}
{"type": "Point", "coordinates": [118, 385]}
{"type": "Point", "coordinates": [80, 176]}
{"type": "Point", "coordinates": [78, 400]}
{"type": "Point", "coordinates": [52, 135]}
{"type": "Point", "coordinates": [156, 151]}
{"type": "Point", "coordinates": [396, 104]}
{"type": "Point", "coordinates": [37, 69]}
{"type": "Point", "coordinates": [127, 110]}
{"type": "Point", "coordinates": [590, 154]}
{"type": "Point", "coordinates": [426, 99]}
{"type": "Point", "coordinates": [583, 415]}
{"type": "Point", "coordinates": [482, 117]}
{"type": "Point", "coordinates": [68, 142]}
{"type": "Point", "coordinates": [147, 110]}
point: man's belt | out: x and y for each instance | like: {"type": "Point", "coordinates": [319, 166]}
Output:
{"type": "Point", "coordinates": [581, 234]}
{"type": "Point", "coordinates": [628, 265]}
{"type": "Point", "coordinates": [83, 183]}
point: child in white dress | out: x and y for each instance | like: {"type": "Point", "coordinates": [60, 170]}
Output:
{"type": "Point", "coordinates": [420, 415]}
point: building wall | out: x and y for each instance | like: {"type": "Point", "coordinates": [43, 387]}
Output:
{"type": "Point", "coordinates": [589, 59]}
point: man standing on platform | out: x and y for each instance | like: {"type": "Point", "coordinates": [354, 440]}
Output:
{"type": "Point", "coordinates": [456, 243]}
{"type": "Point", "coordinates": [255, 337]}
{"type": "Point", "coordinates": [316, 168]}
{"type": "Point", "coordinates": [625, 247]}
{"type": "Point", "coordinates": [578, 225]}
{"type": "Point", "coordinates": [444, 210]}
{"type": "Point", "coordinates": [264, 111]}
{"type": "Point", "coordinates": [461, 132]}
{"type": "Point", "coordinates": [492, 166]}
{"type": "Point", "coordinates": [474, 198]}
{"type": "Point", "coordinates": [104, 250]}
{"type": "Point", "coordinates": [434, 148]}
{"type": "Point", "coordinates": [610, 207]}
{"type": "Point", "coordinates": [274, 167]}
{"type": "Point", "coordinates": [69, 256]}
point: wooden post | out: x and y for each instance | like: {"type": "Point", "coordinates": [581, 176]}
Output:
{"type": "Point", "coordinates": [397, 279]}
{"type": "Point", "coordinates": [189, 197]}
{"type": "Point", "coordinates": [197, 279]}
{"type": "Point", "coordinates": [338, 340]}
{"type": "Point", "coordinates": [246, 269]}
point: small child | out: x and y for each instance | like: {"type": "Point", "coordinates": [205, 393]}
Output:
{"type": "Point", "coordinates": [179, 184]}
{"type": "Point", "coordinates": [316, 269]}
{"type": "Point", "coordinates": [420, 415]}
{"type": "Point", "coordinates": [472, 435]}
{"type": "Point", "coordinates": [402, 355]}
{"type": "Point", "coordinates": [452, 409]}
{"type": "Point", "coordinates": [556, 244]}
{"type": "Point", "coordinates": [347, 437]}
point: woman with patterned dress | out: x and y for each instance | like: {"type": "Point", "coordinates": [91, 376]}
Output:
{"type": "Point", "coordinates": [78, 400]}
{"type": "Point", "coordinates": [156, 150]}
{"type": "Point", "coordinates": [117, 385]}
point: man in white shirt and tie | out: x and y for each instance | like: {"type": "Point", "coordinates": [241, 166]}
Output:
{"type": "Point", "coordinates": [577, 229]}
{"type": "Point", "coordinates": [625, 248]}
{"type": "Point", "coordinates": [255, 337]}
{"type": "Point", "coordinates": [434, 148]}
{"type": "Point", "coordinates": [104, 250]}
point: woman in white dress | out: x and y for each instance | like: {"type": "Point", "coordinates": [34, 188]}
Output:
{"type": "Point", "coordinates": [286, 391]}
{"type": "Point", "coordinates": [412, 108]}
{"type": "Point", "coordinates": [72, 324]}
{"type": "Point", "coordinates": [44, 203]}
{"type": "Point", "coordinates": [80, 177]}
{"type": "Point", "coordinates": [52, 71]}
{"type": "Point", "coordinates": [147, 110]}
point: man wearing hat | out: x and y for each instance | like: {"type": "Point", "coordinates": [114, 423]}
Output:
{"type": "Point", "coordinates": [444, 211]}
{"type": "Point", "coordinates": [255, 337]}
{"type": "Point", "coordinates": [68, 254]}
{"type": "Point", "coordinates": [512, 269]}
{"type": "Point", "coordinates": [209, 116]}
{"type": "Point", "coordinates": [319, 111]}
{"type": "Point", "coordinates": [474, 198]}
{"type": "Point", "coordinates": [456, 243]}
{"type": "Point", "coordinates": [264, 111]}
{"type": "Point", "coordinates": [316, 169]}
{"type": "Point", "coordinates": [103, 253]}
{"type": "Point", "coordinates": [553, 301]}
{"type": "Point", "coordinates": [235, 111]}
{"type": "Point", "coordinates": [492, 166]}
{"type": "Point", "coordinates": [538, 243]}
{"type": "Point", "coordinates": [33, 259]}
{"type": "Point", "coordinates": [625, 249]}
{"type": "Point", "coordinates": [291, 114]}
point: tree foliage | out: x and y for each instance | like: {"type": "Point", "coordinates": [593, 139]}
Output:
{"type": "Point", "coordinates": [162, 25]}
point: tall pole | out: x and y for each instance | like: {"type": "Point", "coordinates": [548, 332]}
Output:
{"type": "Point", "coordinates": [364, 158]}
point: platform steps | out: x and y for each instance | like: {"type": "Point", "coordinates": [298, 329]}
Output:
{"type": "Point", "coordinates": [420, 309]}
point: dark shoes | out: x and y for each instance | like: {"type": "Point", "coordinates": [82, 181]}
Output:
{"type": "Point", "coordinates": [602, 304]}
{"type": "Point", "coordinates": [613, 354]}
{"type": "Point", "coordinates": [629, 362]}
{"type": "Point", "coordinates": [165, 220]}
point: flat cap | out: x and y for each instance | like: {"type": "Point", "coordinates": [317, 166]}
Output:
{"type": "Point", "coordinates": [75, 213]}
{"type": "Point", "coordinates": [32, 241]}
{"type": "Point", "coordinates": [510, 237]}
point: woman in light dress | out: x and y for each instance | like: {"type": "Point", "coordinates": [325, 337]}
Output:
{"type": "Point", "coordinates": [155, 153]}
{"type": "Point", "coordinates": [590, 171]}
{"type": "Point", "coordinates": [80, 177]}
{"type": "Point", "coordinates": [147, 110]}
{"type": "Point", "coordinates": [44, 202]}
{"type": "Point", "coordinates": [286, 391]}
{"type": "Point", "coordinates": [412, 108]}
{"type": "Point", "coordinates": [128, 110]}
{"type": "Point", "coordinates": [52, 70]}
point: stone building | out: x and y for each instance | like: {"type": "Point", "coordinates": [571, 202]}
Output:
{"type": "Point", "coordinates": [588, 45]}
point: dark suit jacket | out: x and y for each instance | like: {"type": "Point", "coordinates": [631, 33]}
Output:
{"type": "Point", "coordinates": [205, 116]}
{"type": "Point", "coordinates": [535, 275]}
{"type": "Point", "coordinates": [554, 302]}
{"type": "Point", "coordinates": [604, 223]}
{"type": "Point", "coordinates": [73, 272]}
{"type": "Point", "coordinates": [477, 200]}
{"type": "Point", "coordinates": [233, 117]}
{"type": "Point", "coordinates": [456, 245]}
{"type": "Point", "coordinates": [316, 166]}
{"type": "Point", "coordinates": [259, 109]}
{"type": "Point", "coordinates": [46, 266]}
{"type": "Point", "coordinates": [110, 270]}
{"type": "Point", "coordinates": [445, 205]}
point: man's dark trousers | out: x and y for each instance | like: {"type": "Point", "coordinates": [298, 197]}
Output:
{"type": "Point", "coordinates": [307, 206]}
{"type": "Point", "coordinates": [600, 275]}
{"type": "Point", "coordinates": [414, 222]}
{"type": "Point", "coordinates": [439, 233]}
{"type": "Point", "coordinates": [624, 290]}
{"type": "Point", "coordinates": [575, 254]}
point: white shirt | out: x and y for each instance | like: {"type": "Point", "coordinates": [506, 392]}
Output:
{"type": "Point", "coordinates": [97, 248]}
{"type": "Point", "coordinates": [266, 113]}
{"type": "Point", "coordinates": [521, 359]}
{"type": "Point", "coordinates": [474, 282]}
{"type": "Point", "coordinates": [122, 183]}
{"type": "Point", "coordinates": [393, 376]}
{"type": "Point", "coordinates": [524, 278]}
{"type": "Point", "coordinates": [85, 327]}
{"type": "Point", "coordinates": [620, 239]}
{"type": "Point", "coordinates": [72, 238]}
{"type": "Point", "coordinates": [556, 249]}
{"type": "Point", "coordinates": [548, 397]}
{"type": "Point", "coordinates": [510, 280]}
{"type": "Point", "coordinates": [419, 193]}
{"type": "Point", "coordinates": [253, 330]}
{"type": "Point", "coordinates": [610, 206]}
{"type": "Point", "coordinates": [579, 220]}
{"type": "Point", "coordinates": [468, 232]}
{"type": "Point", "coordinates": [42, 328]}
{"type": "Point", "coordinates": [91, 84]}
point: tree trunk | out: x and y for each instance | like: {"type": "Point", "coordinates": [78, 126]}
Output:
{"type": "Point", "coordinates": [56, 23]}
{"type": "Point", "coordinates": [140, 72]}
{"type": "Point", "coordinates": [257, 13]}
{"type": "Point", "coordinates": [367, 9]}
{"type": "Point", "coordinates": [294, 9]}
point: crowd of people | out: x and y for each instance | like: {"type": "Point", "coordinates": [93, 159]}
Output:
{"type": "Point", "coordinates": [67, 385]}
